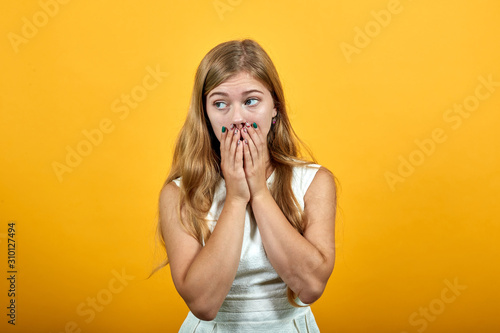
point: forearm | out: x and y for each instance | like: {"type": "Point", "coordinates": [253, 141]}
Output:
{"type": "Point", "coordinates": [212, 272]}
{"type": "Point", "coordinates": [297, 261]}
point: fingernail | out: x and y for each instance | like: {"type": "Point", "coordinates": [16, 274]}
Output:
{"type": "Point", "coordinates": [235, 131]}
{"type": "Point", "coordinates": [231, 127]}
{"type": "Point", "coordinates": [223, 129]}
{"type": "Point", "coordinates": [246, 141]}
{"type": "Point", "coordinates": [244, 129]}
{"type": "Point", "coordinates": [239, 141]}
{"type": "Point", "coordinates": [254, 125]}
{"type": "Point", "coordinates": [248, 125]}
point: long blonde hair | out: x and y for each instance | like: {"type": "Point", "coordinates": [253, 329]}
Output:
{"type": "Point", "coordinates": [197, 152]}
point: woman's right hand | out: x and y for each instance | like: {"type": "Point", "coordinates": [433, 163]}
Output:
{"type": "Point", "coordinates": [232, 165]}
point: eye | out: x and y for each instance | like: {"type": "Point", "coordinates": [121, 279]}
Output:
{"type": "Point", "coordinates": [219, 106]}
{"type": "Point", "coordinates": [251, 99]}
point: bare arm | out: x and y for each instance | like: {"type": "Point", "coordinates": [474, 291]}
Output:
{"type": "Point", "coordinates": [203, 275]}
{"type": "Point", "coordinates": [305, 263]}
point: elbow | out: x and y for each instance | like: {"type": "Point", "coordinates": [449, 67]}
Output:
{"type": "Point", "coordinates": [312, 290]}
{"type": "Point", "coordinates": [314, 285]}
{"type": "Point", "coordinates": [203, 304]}
{"type": "Point", "coordinates": [203, 310]}
{"type": "Point", "coordinates": [311, 295]}
{"type": "Point", "coordinates": [204, 315]}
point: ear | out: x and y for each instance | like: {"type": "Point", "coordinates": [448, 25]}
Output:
{"type": "Point", "coordinates": [275, 112]}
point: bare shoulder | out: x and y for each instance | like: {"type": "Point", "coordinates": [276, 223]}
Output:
{"type": "Point", "coordinates": [320, 203]}
{"type": "Point", "coordinates": [319, 218]}
{"type": "Point", "coordinates": [322, 185]}
{"type": "Point", "coordinates": [169, 195]}
{"type": "Point", "coordinates": [180, 245]}
{"type": "Point", "coordinates": [169, 190]}
{"type": "Point", "coordinates": [169, 205]}
{"type": "Point", "coordinates": [168, 201]}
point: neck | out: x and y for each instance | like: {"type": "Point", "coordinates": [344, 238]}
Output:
{"type": "Point", "coordinates": [269, 169]}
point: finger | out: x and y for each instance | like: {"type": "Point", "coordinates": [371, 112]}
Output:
{"type": "Point", "coordinates": [225, 146]}
{"type": "Point", "coordinates": [252, 147]}
{"type": "Point", "coordinates": [223, 137]}
{"type": "Point", "coordinates": [234, 145]}
{"type": "Point", "coordinates": [229, 137]}
{"type": "Point", "coordinates": [256, 135]}
{"type": "Point", "coordinates": [247, 156]}
{"type": "Point", "coordinates": [248, 142]}
{"type": "Point", "coordinates": [238, 163]}
{"type": "Point", "coordinates": [222, 146]}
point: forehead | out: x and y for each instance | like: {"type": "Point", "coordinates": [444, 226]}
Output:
{"type": "Point", "coordinates": [238, 83]}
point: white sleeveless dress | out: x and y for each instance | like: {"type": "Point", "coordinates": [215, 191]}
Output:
{"type": "Point", "coordinates": [257, 300]}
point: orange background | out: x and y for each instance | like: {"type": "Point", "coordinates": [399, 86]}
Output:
{"type": "Point", "coordinates": [392, 96]}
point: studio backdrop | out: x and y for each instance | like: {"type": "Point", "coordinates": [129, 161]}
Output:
{"type": "Point", "coordinates": [399, 98]}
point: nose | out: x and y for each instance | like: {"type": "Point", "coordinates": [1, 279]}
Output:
{"type": "Point", "coordinates": [238, 118]}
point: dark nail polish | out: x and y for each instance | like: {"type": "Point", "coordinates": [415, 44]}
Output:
{"type": "Point", "coordinates": [254, 125]}
{"type": "Point", "coordinates": [223, 129]}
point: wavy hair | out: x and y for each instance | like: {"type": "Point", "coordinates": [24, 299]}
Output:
{"type": "Point", "coordinates": [197, 152]}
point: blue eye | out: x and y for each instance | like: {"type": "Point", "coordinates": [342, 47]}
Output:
{"type": "Point", "coordinates": [251, 99]}
{"type": "Point", "coordinates": [217, 105]}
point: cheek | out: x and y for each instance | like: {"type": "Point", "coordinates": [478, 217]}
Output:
{"type": "Point", "coordinates": [217, 130]}
{"type": "Point", "coordinates": [264, 123]}
{"type": "Point", "coordinates": [217, 134]}
{"type": "Point", "coordinates": [216, 126]}
{"type": "Point", "coordinates": [265, 130]}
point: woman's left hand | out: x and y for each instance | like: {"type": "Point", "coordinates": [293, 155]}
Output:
{"type": "Point", "coordinates": [256, 157]}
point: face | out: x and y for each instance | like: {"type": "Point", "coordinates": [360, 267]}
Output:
{"type": "Point", "coordinates": [238, 100]}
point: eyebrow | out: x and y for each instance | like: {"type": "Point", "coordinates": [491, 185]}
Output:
{"type": "Point", "coordinates": [226, 94]}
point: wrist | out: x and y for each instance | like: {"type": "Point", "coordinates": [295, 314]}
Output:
{"type": "Point", "coordinates": [236, 202]}
{"type": "Point", "coordinates": [261, 196]}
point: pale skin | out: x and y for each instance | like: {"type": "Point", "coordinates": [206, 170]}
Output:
{"type": "Point", "coordinates": [203, 275]}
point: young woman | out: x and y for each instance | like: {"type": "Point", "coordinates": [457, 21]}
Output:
{"type": "Point", "coordinates": [248, 226]}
